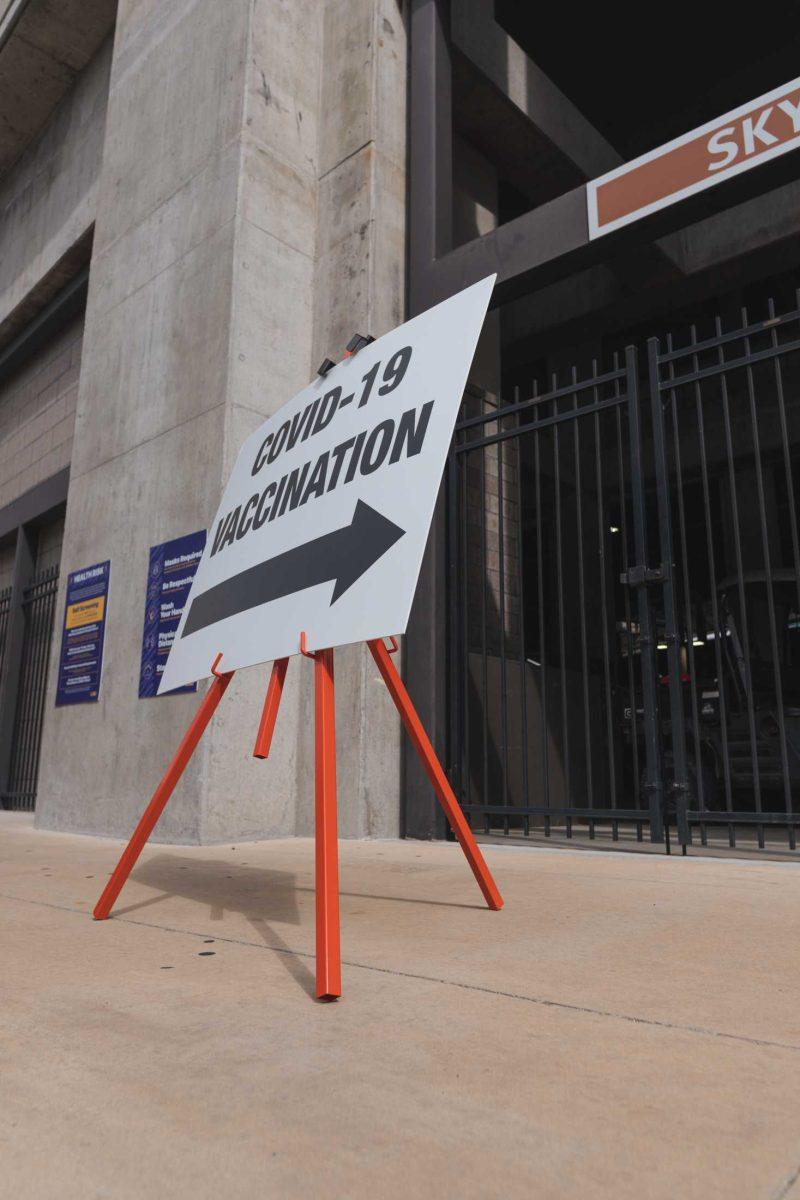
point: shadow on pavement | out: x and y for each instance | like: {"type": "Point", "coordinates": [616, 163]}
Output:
{"type": "Point", "coordinates": [259, 894]}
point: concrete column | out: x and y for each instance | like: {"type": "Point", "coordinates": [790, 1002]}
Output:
{"type": "Point", "coordinates": [250, 217]}
{"type": "Point", "coordinates": [360, 287]}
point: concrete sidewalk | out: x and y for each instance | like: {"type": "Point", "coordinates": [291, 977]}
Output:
{"type": "Point", "coordinates": [627, 1026]}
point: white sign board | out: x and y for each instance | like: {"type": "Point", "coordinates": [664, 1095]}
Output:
{"type": "Point", "coordinates": [323, 523]}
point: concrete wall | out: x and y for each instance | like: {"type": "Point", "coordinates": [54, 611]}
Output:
{"type": "Point", "coordinates": [250, 217]}
{"type": "Point", "coordinates": [360, 286]}
{"type": "Point", "coordinates": [49, 198]}
{"type": "Point", "coordinates": [37, 414]}
{"type": "Point", "coordinates": [45, 46]}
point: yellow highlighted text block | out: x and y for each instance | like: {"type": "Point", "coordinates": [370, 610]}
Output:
{"type": "Point", "coordinates": [86, 612]}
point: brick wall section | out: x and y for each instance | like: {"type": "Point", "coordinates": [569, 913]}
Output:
{"type": "Point", "coordinates": [37, 415]}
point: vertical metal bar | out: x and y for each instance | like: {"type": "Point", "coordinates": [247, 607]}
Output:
{"type": "Point", "coordinates": [27, 693]}
{"type": "Point", "coordinates": [652, 739]}
{"type": "Point", "coordinates": [680, 783]}
{"type": "Point", "coordinates": [791, 493]}
{"type": "Point", "coordinates": [21, 759]}
{"type": "Point", "coordinates": [22, 729]}
{"type": "Point", "coordinates": [737, 542]}
{"type": "Point", "coordinates": [773, 628]}
{"type": "Point", "coordinates": [484, 650]}
{"type": "Point", "coordinates": [787, 462]}
{"type": "Point", "coordinates": [22, 771]}
{"type": "Point", "coordinates": [603, 569]}
{"type": "Point", "coordinates": [5, 601]}
{"type": "Point", "coordinates": [561, 627]}
{"type": "Point", "coordinates": [684, 573]}
{"type": "Point", "coordinates": [12, 787]}
{"type": "Point", "coordinates": [456, 624]}
{"type": "Point", "coordinates": [461, 665]}
{"type": "Point", "coordinates": [15, 771]}
{"type": "Point", "coordinates": [629, 637]}
{"type": "Point", "coordinates": [542, 649]}
{"type": "Point", "coordinates": [24, 557]}
{"type": "Point", "coordinates": [579, 549]}
{"type": "Point", "coordinates": [712, 569]}
{"type": "Point", "coordinates": [502, 630]}
{"type": "Point", "coordinates": [523, 666]}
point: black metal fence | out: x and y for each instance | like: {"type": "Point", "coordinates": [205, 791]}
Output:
{"type": "Point", "coordinates": [5, 608]}
{"type": "Point", "coordinates": [38, 604]}
{"type": "Point", "coordinates": [625, 575]}
{"type": "Point", "coordinates": [546, 515]}
{"type": "Point", "coordinates": [727, 427]}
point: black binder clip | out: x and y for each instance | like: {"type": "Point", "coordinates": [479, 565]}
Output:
{"type": "Point", "coordinates": [357, 342]}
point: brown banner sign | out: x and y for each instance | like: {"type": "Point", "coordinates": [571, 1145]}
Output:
{"type": "Point", "coordinates": [741, 139]}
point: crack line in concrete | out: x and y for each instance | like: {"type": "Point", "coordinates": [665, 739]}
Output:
{"type": "Point", "coordinates": [702, 1030]}
{"type": "Point", "coordinates": [787, 1185]}
{"type": "Point", "coordinates": [346, 158]}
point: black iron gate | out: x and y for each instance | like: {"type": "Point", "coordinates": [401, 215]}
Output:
{"type": "Point", "coordinates": [726, 420]}
{"type": "Point", "coordinates": [554, 701]}
{"type": "Point", "coordinates": [625, 582]}
{"type": "Point", "coordinates": [38, 605]}
{"type": "Point", "coordinates": [5, 608]}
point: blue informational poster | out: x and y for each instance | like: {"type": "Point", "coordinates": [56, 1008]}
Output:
{"type": "Point", "coordinates": [169, 579]}
{"type": "Point", "coordinates": [81, 661]}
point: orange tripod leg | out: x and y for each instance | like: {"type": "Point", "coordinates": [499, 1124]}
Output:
{"type": "Point", "coordinates": [161, 795]}
{"type": "Point", "coordinates": [329, 968]}
{"type": "Point", "coordinates": [433, 770]}
{"type": "Point", "coordinates": [271, 705]}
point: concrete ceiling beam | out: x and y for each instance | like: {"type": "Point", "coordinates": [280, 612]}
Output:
{"type": "Point", "coordinates": [43, 47]}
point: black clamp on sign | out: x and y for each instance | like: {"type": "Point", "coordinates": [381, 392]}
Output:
{"type": "Point", "coordinates": [357, 342]}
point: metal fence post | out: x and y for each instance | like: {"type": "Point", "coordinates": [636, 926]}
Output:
{"type": "Point", "coordinates": [654, 779]}
{"type": "Point", "coordinates": [24, 561]}
{"type": "Point", "coordinates": [680, 781]}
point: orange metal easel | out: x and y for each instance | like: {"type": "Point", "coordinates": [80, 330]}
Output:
{"type": "Point", "coordinates": [433, 769]}
{"type": "Point", "coordinates": [329, 961]}
{"type": "Point", "coordinates": [271, 705]}
{"type": "Point", "coordinates": [329, 971]}
{"type": "Point", "coordinates": [163, 792]}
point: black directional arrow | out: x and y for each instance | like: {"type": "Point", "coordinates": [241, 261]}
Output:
{"type": "Point", "coordinates": [343, 555]}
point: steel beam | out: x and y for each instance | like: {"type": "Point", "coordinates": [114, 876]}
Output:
{"type": "Point", "coordinates": [525, 86]}
{"type": "Point", "coordinates": [431, 153]}
{"type": "Point", "coordinates": [552, 241]}
{"type": "Point", "coordinates": [66, 304]}
{"type": "Point", "coordinates": [36, 506]}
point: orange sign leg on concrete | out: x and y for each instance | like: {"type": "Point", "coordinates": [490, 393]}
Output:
{"type": "Point", "coordinates": [434, 771]}
{"type": "Point", "coordinates": [163, 792]}
{"type": "Point", "coordinates": [329, 969]}
{"type": "Point", "coordinates": [271, 705]}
